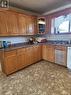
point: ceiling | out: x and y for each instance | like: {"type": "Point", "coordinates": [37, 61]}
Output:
{"type": "Point", "coordinates": [39, 6]}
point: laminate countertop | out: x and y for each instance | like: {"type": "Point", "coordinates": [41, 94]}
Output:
{"type": "Point", "coordinates": [25, 45]}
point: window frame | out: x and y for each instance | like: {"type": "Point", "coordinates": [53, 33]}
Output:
{"type": "Point", "coordinates": [53, 28]}
{"type": "Point", "coordinates": [55, 15]}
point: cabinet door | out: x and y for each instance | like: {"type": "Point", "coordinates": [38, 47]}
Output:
{"type": "Point", "coordinates": [3, 24]}
{"type": "Point", "coordinates": [28, 56]}
{"type": "Point", "coordinates": [33, 54]}
{"type": "Point", "coordinates": [34, 24]}
{"type": "Point", "coordinates": [37, 53]}
{"type": "Point", "coordinates": [44, 52]}
{"type": "Point", "coordinates": [22, 24]}
{"type": "Point", "coordinates": [49, 53]}
{"type": "Point", "coordinates": [10, 64]}
{"type": "Point", "coordinates": [21, 58]}
{"type": "Point", "coordinates": [12, 23]}
{"type": "Point", "coordinates": [31, 25]}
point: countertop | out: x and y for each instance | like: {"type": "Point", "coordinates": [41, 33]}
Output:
{"type": "Point", "coordinates": [23, 45]}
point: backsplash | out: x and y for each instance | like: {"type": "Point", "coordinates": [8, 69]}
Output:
{"type": "Point", "coordinates": [25, 39]}
{"type": "Point", "coordinates": [14, 39]}
{"type": "Point", "coordinates": [59, 37]}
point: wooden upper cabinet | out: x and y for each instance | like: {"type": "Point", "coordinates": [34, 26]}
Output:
{"type": "Point", "coordinates": [12, 23]}
{"type": "Point", "coordinates": [34, 24]}
{"type": "Point", "coordinates": [22, 24]}
{"type": "Point", "coordinates": [8, 23]}
{"type": "Point", "coordinates": [3, 24]}
{"type": "Point", "coordinates": [31, 25]}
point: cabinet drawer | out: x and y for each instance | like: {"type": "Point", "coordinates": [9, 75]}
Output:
{"type": "Point", "coordinates": [10, 53]}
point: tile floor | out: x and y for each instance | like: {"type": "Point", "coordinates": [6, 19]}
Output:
{"type": "Point", "coordinates": [42, 78]}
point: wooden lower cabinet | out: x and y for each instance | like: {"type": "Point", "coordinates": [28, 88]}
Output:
{"type": "Point", "coordinates": [33, 54]}
{"type": "Point", "coordinates": [21, 58]}
{"type": "Point", "coordinates": [37, 53]}
{"type": "Point", "coordinates": [48, 53]}
{"type": "Point", "coordinates": [28, 56]}
{"type": "Point", "coordinates": [15, 60]}
{"type": "Point", "coordinates": [10, 62]}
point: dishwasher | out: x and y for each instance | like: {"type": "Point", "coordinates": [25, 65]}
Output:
{"type": "Point", "coordinates": [60, 57]}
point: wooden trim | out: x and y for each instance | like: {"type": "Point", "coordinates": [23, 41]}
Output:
{"type": "Point", "coordinates": [59, 13]}
{"type": "Point", "coordinates": [54, 15]}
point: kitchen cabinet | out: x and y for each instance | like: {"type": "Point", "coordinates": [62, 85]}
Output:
{"type": "Point", "coordinates": [27, 24]}
{"type": "Point", "coordinates": [15, 60]}
{"type": "Point", "coordinates": [33, 54]}
{"type": "Point", "coordinates": [28, 56]}
{"type": "Point", "coordinates": [8, 24]}
{"type": "Point", "coordinates": [37, 53]}
{"type": "Point", "coordinates": [48, 53]}
{"type": "Point", "coordinates": [10, 62]}
{"type": "Point", "coordinates": [14, 24]}
{"type": "Point", "coordinates": [3, 24]}
{"type": "Point", "coordinates": [31, 25]}
{"type": "Point", "coordinates": [21, 57]}
{"type": "Point", "coordinates": [22, 24]}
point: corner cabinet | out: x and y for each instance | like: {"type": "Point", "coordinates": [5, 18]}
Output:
{"type": "Point", "coordinates": [14, 23]}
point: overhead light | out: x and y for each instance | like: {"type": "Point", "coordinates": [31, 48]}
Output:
{"type": "Point", "coordinates": [41, 21]}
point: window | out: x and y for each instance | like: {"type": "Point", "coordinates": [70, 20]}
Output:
{"type": "Point", "coordinates": [61, 24]}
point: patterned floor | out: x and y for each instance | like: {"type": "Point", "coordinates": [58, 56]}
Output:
{"type": "Point", "coordinates": [42, 78]}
